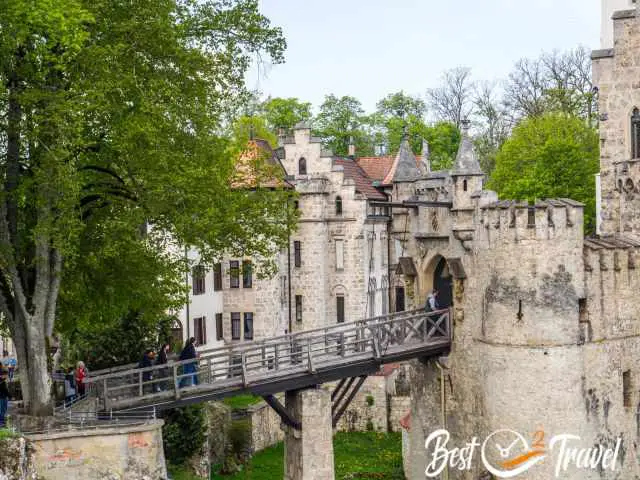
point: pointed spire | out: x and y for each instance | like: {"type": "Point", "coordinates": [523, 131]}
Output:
{"type": "Point", "coordinates": [466, 161]}
{"type": "Point", "coordinates": [406, 169]}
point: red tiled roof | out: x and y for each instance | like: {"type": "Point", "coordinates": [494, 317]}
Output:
{"type": "Point", "coordinates": [246, 170]}
{"type": "Point", "coordinates": [376, 168]}
{"type": "Point", "coordinates": [405, 422]}
{"type": "Point", "coordinates": [363, 183]}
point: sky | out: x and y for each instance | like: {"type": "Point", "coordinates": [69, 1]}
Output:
{"type": "Point", "coordinates": [370, 48]}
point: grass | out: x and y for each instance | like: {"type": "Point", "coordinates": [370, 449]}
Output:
{"type": "Point", "coordinates": [6, 433]}
{"type": "Point", "coordinates": [366, 455]}
{"type": "Point", "coordinates": [241, 401]}
{"type": "Point", "coordinates": [180, 473]}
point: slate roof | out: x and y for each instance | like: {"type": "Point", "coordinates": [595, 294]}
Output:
{"type": "Point", "coordinates": [405, 168]}
{"type": "Point", "coordinates": [364, 184]}
{"type": "Point", "coordinates": [466, 160]}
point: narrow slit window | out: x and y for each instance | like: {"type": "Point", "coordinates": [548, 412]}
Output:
{"type": "Point", "coordinates": [626, 388]}
{"type": "Point", "coordinates": [464, 185]}
{"type": "Point", "coordinates": [338, 206]}
{"type": "Point", "coordinates": [219, 335]}
{"type": "Point", "coordinates": [297, 253]}
{"type": "Point", "coordinates": [298, 308]}
{"type": "Point", "coordinates": [340, 308]}
{"type": "Point", "coordinates": [635, 134]}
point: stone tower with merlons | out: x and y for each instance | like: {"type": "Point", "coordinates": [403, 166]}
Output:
{"type": "Point", "coordinates": [546, 321]}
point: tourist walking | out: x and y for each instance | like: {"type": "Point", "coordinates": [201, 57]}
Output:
{"type": "Point", "coordinates": [9, 363]}
{"type": "Point", "coordinates": [69, 387]}
{"type": "Point", "coordinates": [80, 375]}
{"type": "Point", "coordinates": [189, 352]}
{"type": "Point", "coordinates": [4, 396]}
{"type": "Point", "coordinates": [146, 362]}
{"type": "Point", "coordinates": [163, 360]}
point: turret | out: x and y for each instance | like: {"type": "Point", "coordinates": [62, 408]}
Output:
{"type": "Point", "coordinates": [467, 175]}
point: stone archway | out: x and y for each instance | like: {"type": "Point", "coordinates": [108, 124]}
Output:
{"type": "Point", "coordinates": [438, 276]}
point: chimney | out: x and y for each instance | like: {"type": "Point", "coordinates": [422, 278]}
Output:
{"type": "Point", "coordinates": [426, 156]}
{"type": "Point", "coordinates": [352, 148]}
{"type": "Point", "coordinates": [281, 137]}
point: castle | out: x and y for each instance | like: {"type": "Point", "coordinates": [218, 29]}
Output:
{"type": "Point", "coordinates": [546, 329]}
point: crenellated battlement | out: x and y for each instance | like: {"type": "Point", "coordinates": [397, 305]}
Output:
{"type": "Point", "coordinates": [510, 220]}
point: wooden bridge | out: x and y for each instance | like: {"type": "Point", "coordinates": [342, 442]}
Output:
{"type": "Point", "coordinates": [347, 352]}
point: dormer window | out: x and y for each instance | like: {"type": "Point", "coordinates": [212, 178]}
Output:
{"type": "Point", "coordinates": [302, 166]}
{"type": "Point", "coordinates": [635, 134]}
{"type": "Point", "coordinates": [338, 206]}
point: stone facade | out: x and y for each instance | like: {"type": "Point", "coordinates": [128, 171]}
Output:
{"type": "Point", "coordinates": [546, 330]}
{"type": "Point", "coordinates": [132, 453]}
{"type": "Point", "coordinates": [309, 452]}
{"type": "Point", "coordinates": [16, 459]}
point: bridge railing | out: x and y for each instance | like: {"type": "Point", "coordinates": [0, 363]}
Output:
{"type": "Point", "coordinates": [237, 366]}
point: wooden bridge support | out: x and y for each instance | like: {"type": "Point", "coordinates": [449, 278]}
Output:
{"type": "Point", "coordinates": [308, 452]}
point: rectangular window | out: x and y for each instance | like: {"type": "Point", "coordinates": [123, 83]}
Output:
{"type": "Point", "coordinates": [200, 327]}
{"type": "Point", "coordinates": [247, 274]}
{"type": "Point", "coordinates": [339, 254]}
{"type": "Point", "coordinates": [298, 308]}
{"type": "Point", "coordinates": [234, 274]}
{"type": "Point", "coordinates": [217, 277]}
{"type": "Point", "coordinates": [235, 325]}
{"type": "Point", "coordinates": [626, 388]}
{"type": "Point", "coordinates": [219, 335]}
{"type": "Point", "coordinates": [340, 309]}
{"type": "Point", "coordinates": [582, 310]}
{"type": "Point", "coordinates": [248, 325]}
{"type": "Point", "coordinates": [197, 276]}
{"type": "Point", "coordinates": [297, 253]}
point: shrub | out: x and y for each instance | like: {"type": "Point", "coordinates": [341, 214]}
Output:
{"type": "Point", "coordinates": [184, 433]}
{"type": "Point", "coordinates": [370, 400]}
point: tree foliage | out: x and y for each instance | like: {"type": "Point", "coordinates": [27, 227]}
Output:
{"type": "Point", "coordinates": [550, 156]}
{"type": "Point", "coordinates": [340, 120]}
{"type": "Point", "coordinates": [284, 112]}
{"type": "Point", "coordinates": [184, 433]}
{"type": "Point", "coordinates": [111, 111]}
{"type": "Point", "coordinates": [452, 101]}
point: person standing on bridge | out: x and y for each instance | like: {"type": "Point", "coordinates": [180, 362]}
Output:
{"type": "Point", "coordinates": [163, 360]}
{"type": "Point", "coordinates": [189, 352]}
{"type": "Point", "coordinates": [80, 375]}
{"type": "Point", "coordinates": [432, 302]}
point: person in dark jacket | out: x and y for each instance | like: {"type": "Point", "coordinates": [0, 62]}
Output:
{"type": "Point", "coordinates": [4, 396]}
{"type": "Point", "coordinates": [147, 361]}
{"type": "Point", "coordinates": [189, 352]}
{"type": "Point", "coordinates": [163, 360]}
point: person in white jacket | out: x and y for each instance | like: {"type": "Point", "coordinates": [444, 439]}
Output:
{"type": "Point", "coordinates": [432, 302]}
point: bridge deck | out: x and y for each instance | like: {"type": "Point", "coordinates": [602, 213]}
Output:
{"type": "Point", "coordinates": [283, 363]}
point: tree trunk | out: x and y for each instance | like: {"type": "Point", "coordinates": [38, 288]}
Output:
{"type": "Point", "coordinates": [30, 343]}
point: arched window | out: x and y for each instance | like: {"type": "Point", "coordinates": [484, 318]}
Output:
{"type": "Point", "coordinates": [302, 166]}
{"type": "Point", "coordinates": [338, 205]}
{"type": "Point", "coordinates": [635, 134]}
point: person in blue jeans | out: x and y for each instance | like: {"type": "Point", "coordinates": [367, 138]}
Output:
{"type": "Point", "coordinates": [188, 353]}
{"type": "Point", "coordinates": [4, 396]}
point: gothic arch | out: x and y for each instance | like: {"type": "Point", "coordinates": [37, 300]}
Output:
{"type": "Point", "coordinates": [438, 276]}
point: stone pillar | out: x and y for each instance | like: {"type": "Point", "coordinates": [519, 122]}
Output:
{"type": "Point", "coordinates": [308, 453]}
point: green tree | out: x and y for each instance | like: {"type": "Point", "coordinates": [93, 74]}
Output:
{"type": "Point", "coordinates": [554, 155]}
{"type": "Point", "coordinates": [401, 105]}
{"type": "Point", "coordinates": [285, 112]}
{"type": "Point", "coordinates": [110, 109]}
{"type": "Point", "coordinates": [340, 120]}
